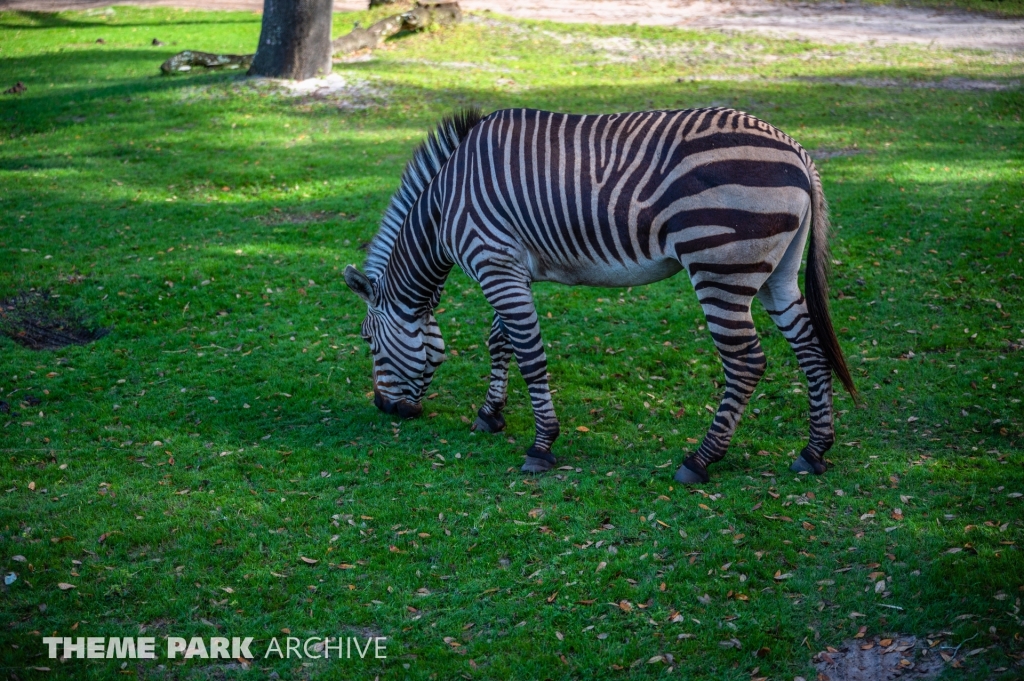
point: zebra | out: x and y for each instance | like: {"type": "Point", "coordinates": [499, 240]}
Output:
{"type": "Point", "coordinates": [615, 200]}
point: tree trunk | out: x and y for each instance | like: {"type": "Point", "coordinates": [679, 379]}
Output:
{"type": "Point", "coordinates": [295, 41]}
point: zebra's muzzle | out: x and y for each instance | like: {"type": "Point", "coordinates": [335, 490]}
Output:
{"type": "Point", "coordinates": [403, 408]}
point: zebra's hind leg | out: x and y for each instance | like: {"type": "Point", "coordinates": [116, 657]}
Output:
{"type": "Point", "coordinates": [489, 418]}
{"type": "Point", "coordinates": [788, 310]}
{"type": "Point", "coordinates": [510, 296]}
{"type": "Point", "coordinates": [732, 329]}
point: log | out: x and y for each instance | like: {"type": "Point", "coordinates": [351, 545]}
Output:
{"type": "Point", "coordinates": [418, 18]}
{"type": "Point", "coordinates": [184, 61]}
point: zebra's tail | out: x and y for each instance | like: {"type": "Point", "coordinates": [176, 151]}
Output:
{"type": "Point", "coordinates": [816, 278]}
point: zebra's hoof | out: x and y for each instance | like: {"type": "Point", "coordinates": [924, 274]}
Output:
{"type": "Point", "coordinates": [535, 465]}
{"type": "Point", "coordinates": [686, 476]}
{"type": "Point", "coordinates": [489, 424]}
{"type": "Point", "coordinates": [803, 465]}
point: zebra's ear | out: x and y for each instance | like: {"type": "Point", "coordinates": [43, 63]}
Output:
{"type": "Point", "coordinates": [360, 284]}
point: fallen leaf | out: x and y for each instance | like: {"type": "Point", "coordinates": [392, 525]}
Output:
{"type": "Point", "coordinates": [308, 561]}
{"type": "Point", "coordinates": [583, 429]}
{"type": "Point", "coordinates": [64, 586]}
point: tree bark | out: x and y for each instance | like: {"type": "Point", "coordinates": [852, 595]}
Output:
{"type": "Point", "coordinates": [295, 41]}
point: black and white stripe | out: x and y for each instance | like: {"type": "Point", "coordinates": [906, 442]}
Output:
{"type": "Point", "coordinates": [611, 200]}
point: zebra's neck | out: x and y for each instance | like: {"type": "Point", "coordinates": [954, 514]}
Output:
{"type": "Point", "coordinates": [418, 265]}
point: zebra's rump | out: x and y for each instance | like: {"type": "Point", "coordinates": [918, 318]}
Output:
{"type": "Point", "coordinates": [593, 198]}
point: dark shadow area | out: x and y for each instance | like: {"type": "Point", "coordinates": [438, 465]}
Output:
{"type": "Point", "coordinates": [39, 321]}
{"type": "Point", "coordinates": [51, 20]}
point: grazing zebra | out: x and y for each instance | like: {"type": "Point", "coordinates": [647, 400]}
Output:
{"type": "Point", "coordinates": [613, 200]}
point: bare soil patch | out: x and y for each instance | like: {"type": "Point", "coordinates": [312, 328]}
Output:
{"type": "Point", "coordinates": [825, 22]}
{"type": "Point", "coordinates": [38, 320]}
{"type": "Point", "coordinates": [279, 217]}
{"type": "Point", "coordinates": [879, 659]}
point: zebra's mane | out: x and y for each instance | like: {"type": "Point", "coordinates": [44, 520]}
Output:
{"type": "Point", "coordinates": [425, 165]}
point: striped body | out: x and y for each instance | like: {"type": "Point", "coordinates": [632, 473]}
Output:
{"type": "Point", "coordinates": [611, 200]}
{"type": "Point", "coordinates": [626, 199]}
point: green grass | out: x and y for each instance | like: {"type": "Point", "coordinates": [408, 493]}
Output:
{"type": "Point", "coordinates": [223, 429]}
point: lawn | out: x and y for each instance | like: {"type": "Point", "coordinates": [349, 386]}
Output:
{"type": "Point", "coordinates": [177, 472]}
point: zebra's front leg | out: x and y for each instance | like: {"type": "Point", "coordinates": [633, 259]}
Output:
{"type": "Point", "coordinates": [489, 418]}
{"type": "Point", "coordinates": [744, 364]}
{"type": "Point", "coordinates": [510, 296]}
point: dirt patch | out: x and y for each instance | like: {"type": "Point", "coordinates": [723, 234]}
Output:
{"type": "Point", "coordinates": [278, 217]}
{"type": "Point", "coordinates": [879, 659]}
{"type": "Point", "coordinates": [343, 92]}
{"type": "Point", "coordinates": [825, 153]}
{"type": "Point", "coordinates": [952, 83]}
{"type": "Point", "coordinates": [959, 84]}
{"type": "Point", "coordinates": [823, 22]}
{"type": "Point", "coordinates": [40, 321]}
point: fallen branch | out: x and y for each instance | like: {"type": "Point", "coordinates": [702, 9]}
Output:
{"type": "Point", "coordinates": [418, 18]}
{"type": "Point", "coordinates": [184, 61]}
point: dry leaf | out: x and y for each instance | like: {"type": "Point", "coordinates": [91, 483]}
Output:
{"type": "Point", "coordinates": [583, 429]}
{"type": "Point", "coordinates": [308, 561]}
{"type": "Point", "coordinates": [64, 586]}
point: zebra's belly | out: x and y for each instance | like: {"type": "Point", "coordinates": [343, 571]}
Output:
{"type": "Point", "coordinates": [586, 273]}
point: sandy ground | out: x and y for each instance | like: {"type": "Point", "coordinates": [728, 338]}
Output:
{"type": "Point", "coordinates": [828, 22]}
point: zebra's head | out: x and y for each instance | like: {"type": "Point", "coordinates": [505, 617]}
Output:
{"type": "Point", "coordinates": [406, 348]}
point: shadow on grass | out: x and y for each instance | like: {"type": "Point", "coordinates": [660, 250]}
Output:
{"type": "Point", "coordinates": [51, 20]}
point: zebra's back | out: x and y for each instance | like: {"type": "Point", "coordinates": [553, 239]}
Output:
{"type": "Point", "coordinates": [626, 199]}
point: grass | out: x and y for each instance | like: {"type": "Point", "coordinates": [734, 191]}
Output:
{"type": "Point", "coordinates": [176, 470]}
